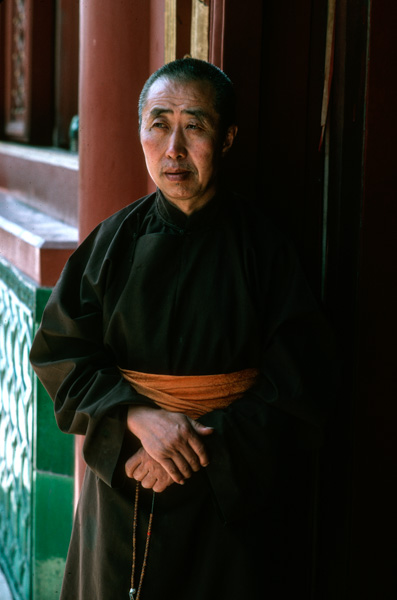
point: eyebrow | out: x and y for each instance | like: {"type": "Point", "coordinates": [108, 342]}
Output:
{"type": "Point", "coordinates": [195, 112]}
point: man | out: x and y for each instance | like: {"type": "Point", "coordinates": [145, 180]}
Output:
{"type": "Point", "coordinates": [183, 342]}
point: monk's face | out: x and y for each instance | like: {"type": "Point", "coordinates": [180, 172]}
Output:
{"type": "Point", "coordinates": [181, 140]}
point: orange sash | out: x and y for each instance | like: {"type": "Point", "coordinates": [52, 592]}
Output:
{"type": "Point", "coordinates": [192, 395]}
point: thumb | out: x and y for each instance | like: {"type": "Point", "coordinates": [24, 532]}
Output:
{"type": "Point", "coordinates": [202, 429]}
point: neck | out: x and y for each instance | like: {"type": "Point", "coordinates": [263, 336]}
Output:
{"type": "Point", "coordinates": [188, 207]}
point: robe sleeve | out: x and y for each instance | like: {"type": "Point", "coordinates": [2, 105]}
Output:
{"type": "Point", "coordinates": [288, 410]}
{"type": "Point", "coordinates": [79, 372]}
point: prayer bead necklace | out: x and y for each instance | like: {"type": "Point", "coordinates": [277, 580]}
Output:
{"type": "Point", "coordinates": [133, 590]}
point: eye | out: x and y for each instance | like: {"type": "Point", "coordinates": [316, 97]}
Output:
{"type": "Point", "coordinates": [159, 125]}
{"type": "Point", "coordinates": [192, 126]}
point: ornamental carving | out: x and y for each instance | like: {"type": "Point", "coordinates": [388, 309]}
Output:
{"type": "Point", "coordinates": [16, 438]}
{"type": "Point", "coordinates": [18, 62]}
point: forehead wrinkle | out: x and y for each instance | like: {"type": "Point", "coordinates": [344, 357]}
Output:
{"type": "Point", "coordinates": [199, 113]}
{"type": "Point", "coordinates": [157, 111]}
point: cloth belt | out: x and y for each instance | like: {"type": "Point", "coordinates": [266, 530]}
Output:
{"type": "Point", "coordinates": [192, 395]}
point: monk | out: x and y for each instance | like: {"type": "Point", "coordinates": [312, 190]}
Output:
{"type": "Point", "coordinates": [183, 342]}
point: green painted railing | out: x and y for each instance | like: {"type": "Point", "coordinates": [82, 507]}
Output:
{"type": "Point", "coordinates": [36, 460]}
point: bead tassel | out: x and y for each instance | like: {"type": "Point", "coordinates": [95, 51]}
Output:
{"type": "Point", "coordinates": [133, 590]}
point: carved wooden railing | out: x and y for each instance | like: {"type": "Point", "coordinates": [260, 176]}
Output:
{"type": "Point", "coordinates": [36, 460]}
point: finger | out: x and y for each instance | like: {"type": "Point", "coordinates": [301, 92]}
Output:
{"type": "Point", "coordinates": [189, 461]}
{"type": "Point", "coordinates": [167, 464]}
{"type": "Point", "coordinates": [201, 429]}
{"type": "Point", "coordinates": [159, 487]}
{"type": "Point", "coordinates": [189, 453]}
{"type": "Point", "coordinates": [139, 473]}
{"type": "Point", "coordinates": [162, 483]}
{"type": "Point", "coordinates": [148, 481]}
{"type": "Point", "coordinates": [196, 443]}
{"type": "Point", "coordinates": [199, 450]}
{"type": "Point", "coordinates": [170, 467]}
{"type": "Point", "coordinates": [186, 461]}
{"type": "Point", "coordinates": [131, 465]}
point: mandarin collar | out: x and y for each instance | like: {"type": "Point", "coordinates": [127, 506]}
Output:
{"type": "Point", "coordinates": [177, 218]}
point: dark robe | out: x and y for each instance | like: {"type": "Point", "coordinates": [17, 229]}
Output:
{"type": "Point", "coordinates": [156, 291]}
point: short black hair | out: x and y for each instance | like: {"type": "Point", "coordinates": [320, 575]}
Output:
{"type": "Point", "coordinates": [193, 69]}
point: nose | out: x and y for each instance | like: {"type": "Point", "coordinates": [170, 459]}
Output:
{"type": "Point", "coordinates": [176, 148]}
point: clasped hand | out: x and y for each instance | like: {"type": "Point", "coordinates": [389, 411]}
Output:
{"type": "Point", "coordinates": [172, 447]}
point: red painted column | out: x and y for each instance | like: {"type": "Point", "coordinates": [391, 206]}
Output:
{"type": "Point", "coordinates": [116, 57]}
{"type": "Point", "coordinates": [114, 64]}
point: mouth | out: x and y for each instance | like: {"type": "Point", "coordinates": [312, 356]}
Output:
{"type": "Point", "coordinates": [176, 175]}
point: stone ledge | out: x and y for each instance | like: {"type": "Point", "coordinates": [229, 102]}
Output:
{"type": "Point", "coordinates": [45, 179]}
{"type": "Point", "coordinates": [50, 156]}
{"type": "Point", "coordinates": [38, 245]}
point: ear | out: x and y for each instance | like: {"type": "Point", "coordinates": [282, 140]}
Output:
{"type": "Point", "coordinates": [229, 139]}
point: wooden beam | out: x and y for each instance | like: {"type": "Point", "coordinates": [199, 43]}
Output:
{"type": "Point", "coordinates": [199, 41]}
{"type": "Point", "coordinates": [170, 30]}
